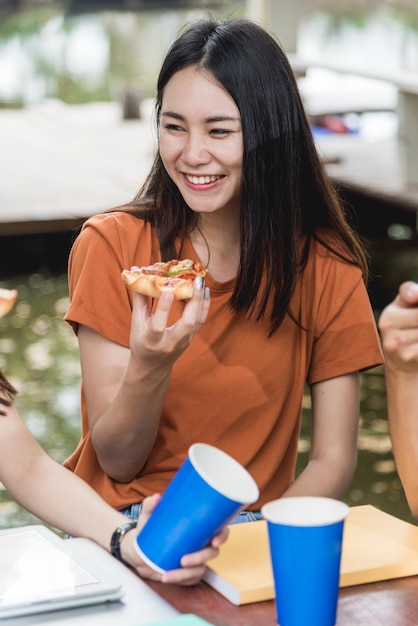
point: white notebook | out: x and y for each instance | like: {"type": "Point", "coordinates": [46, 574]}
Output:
{"type": "Point", "coordinates": [41, 572]}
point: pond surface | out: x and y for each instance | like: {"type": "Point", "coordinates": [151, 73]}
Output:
{"type": "Point", "coordinates": [46, 53]}
{"type": "Point", "coordinates": [40, 354]}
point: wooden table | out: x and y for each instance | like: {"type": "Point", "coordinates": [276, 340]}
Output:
{"type": "Point", "coordinates": [389, 603]}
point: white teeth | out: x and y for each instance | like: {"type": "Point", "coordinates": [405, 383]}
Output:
{"type": "Point", "coordinates": [202, 180]}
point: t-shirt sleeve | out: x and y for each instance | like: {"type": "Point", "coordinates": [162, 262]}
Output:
{"type": "Point", "coordinates": [345, 336]}
{"type": "Point", "coordinates": [98, 297]}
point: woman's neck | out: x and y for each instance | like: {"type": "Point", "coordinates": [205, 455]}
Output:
{"type": "Point", "coordinates": [218, 247]}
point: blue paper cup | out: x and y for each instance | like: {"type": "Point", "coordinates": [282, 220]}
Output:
{"type": "Point", "coordinates": [208, 490]}
{"type": "Point", "coordinates": [305, 536]}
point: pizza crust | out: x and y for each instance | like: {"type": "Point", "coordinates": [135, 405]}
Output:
{"type": "Point", "coordinates": [153, 286]}
{"type": "Point", "coordinates": [7, 300]}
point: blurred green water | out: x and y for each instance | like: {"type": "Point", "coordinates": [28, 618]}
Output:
{"type": "Point", "coordinates": [40, 354]}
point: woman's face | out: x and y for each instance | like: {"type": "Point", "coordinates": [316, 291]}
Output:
{"type": "Point", "coordinates": [201, 142]}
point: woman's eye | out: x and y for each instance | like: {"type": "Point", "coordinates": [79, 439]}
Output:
{"type": "Point", "coordinates": [173, 127]}
{"type": "Point", "coordinates": [220, 131]}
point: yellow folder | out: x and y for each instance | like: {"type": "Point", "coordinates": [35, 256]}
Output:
{"type": "Point", "coordinates": [376, 546]}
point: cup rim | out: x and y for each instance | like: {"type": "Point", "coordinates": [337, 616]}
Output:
{"type": "Point", "coordinates": [305, 511]}
{"type": "Point", "coordinates": [245, 490]}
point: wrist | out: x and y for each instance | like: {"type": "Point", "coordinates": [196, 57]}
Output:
{"type": "Point", "coordinates": [117, 538]}
{"type": "Point", "coordinates": [400, 370]}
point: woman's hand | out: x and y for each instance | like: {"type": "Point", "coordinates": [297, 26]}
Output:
{"type": "Point", "coordinates": [193, 565]}
{"type": "Point", "coordinates": [398, 325]}
{"type": "Point", "coordinates": [155, 343]}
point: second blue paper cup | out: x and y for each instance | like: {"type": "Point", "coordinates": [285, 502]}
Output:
{"type": "Point", "coordinates": [305, 536]}
{"type": "Point", "coordinates": [208, 490]}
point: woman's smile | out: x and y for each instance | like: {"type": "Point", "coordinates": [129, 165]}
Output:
{"type": "Point", "coordinates": [201, 181]}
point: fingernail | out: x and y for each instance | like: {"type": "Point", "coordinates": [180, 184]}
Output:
{"type": "Point", "coordinates": [166, 296]}
{"type": "Point", "coordinates": [413, 289]}
{"type": "Point", "coordinates": [206, 295]}
{"type": "Point", "coordinates": [199, 282]}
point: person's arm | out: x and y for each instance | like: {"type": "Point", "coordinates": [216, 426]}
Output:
{"type": "Point", "coordinates": [125, 388]}
{"type": "Point", "coordinates": [61, 499]}
{"type": "Point", "coordinates": [333, 454]}
{"type": "Point", "coordinates": [398, 325]}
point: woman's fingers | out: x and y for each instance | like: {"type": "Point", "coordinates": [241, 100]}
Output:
{"type": "Point", "coordinates": [185, 576]}
{"type": "Point", "coordinates": [398, 325]}
{"type": "Point", "coordinates": [148, 505]}
{"type": "Point", "coordinates": [152, 337]}
{"type": "Point", "coordinates": [159, 320]}
{"type": "Point", "coordinates": [219, 539]}
{"type": "Point", "coordinates": [408, 294]}
{"type": "Point", "coordinates": [196, 309]}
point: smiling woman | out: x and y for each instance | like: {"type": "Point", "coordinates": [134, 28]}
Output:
{"type": "Point", "coordinates": [236, 185]}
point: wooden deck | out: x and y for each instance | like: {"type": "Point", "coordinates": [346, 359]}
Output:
{"type": "Point", "coordinates": [60, 164]}
{"type": "Point", "coordinates": [370, 175]}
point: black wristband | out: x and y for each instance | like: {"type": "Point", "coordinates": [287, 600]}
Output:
{"type": "Point", "coordinates": [117, 537]}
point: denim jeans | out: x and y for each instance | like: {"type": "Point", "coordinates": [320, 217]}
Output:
{"type": "Point", "coordinates": [134, 510]}
{"type": "Point", "coordinates": [246, 516]}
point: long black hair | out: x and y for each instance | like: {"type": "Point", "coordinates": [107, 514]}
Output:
{"type": "Point", "coordinates": [286, 195]}
{"type": "Point", "coordinates": [8, 389]}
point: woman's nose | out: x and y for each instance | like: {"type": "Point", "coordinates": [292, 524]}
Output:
{"type": "Point", "coordinates": [195, 150]}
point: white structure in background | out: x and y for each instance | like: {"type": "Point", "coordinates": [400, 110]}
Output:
{"type": "Point", "coordinates": [282, 17]}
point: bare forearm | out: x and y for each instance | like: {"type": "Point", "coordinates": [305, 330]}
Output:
{"type": "Point", "coordinates": [333, 455]}
{"type": "Point", "coordinates": [57, 496]}
{"type": "Point", "coordinates": [124, 435]}
{"type": "Point", "coordinates": [126, 388]}
{"type": "Point", "coordinates": [402, 399]}
{"type": "Point", "coordinates": [328, 476]}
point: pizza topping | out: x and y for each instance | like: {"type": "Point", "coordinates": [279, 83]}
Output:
{"type": "Point", "coordinates": [175, 276]}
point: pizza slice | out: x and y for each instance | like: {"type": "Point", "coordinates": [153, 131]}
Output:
{"type": "Point", "coordinates": [175, 276]}
{"type": "Point", "coordinates": [7, 300]}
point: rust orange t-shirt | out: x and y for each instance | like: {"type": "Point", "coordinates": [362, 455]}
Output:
{"type": "Point", "coordinates": [233, 387]}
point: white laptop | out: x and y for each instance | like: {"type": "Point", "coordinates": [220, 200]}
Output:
{"type": "Point", "coordinates": [41, 572]}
